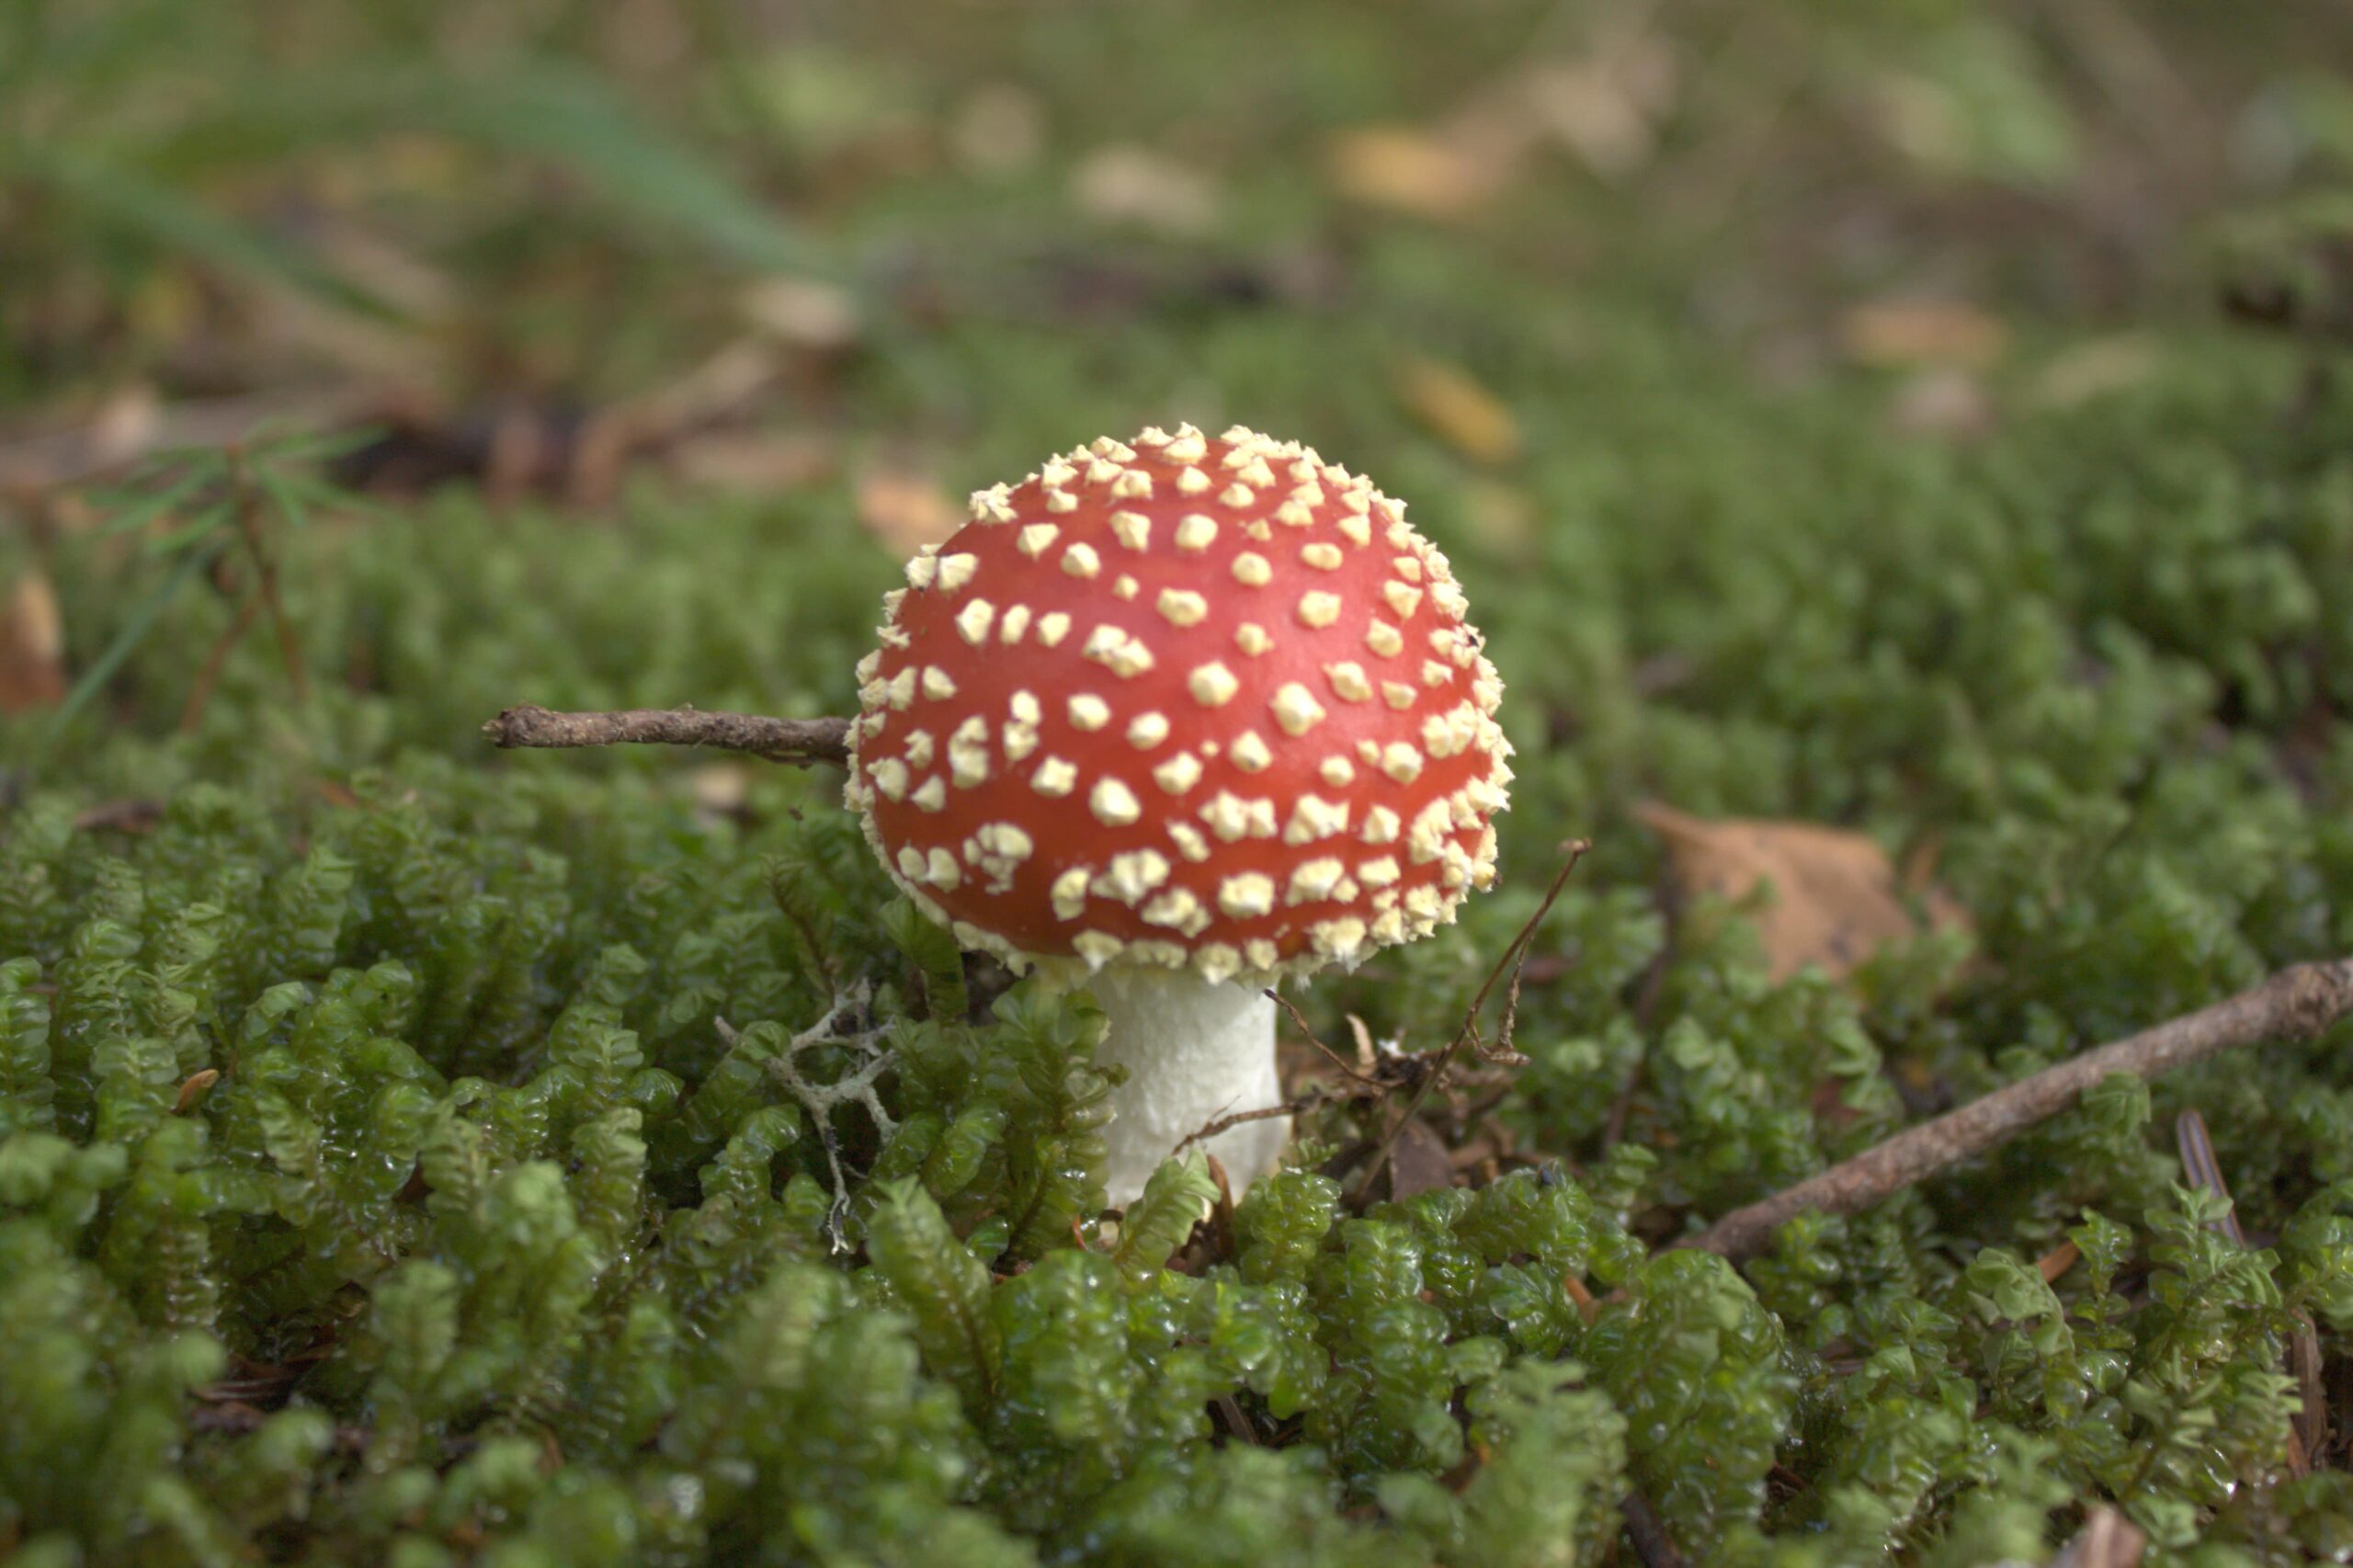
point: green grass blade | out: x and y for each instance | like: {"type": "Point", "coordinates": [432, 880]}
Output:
{"type": "Point", "coordinates": [135, 626]}
{"type": "Point", "coordinates": [566, 119]}
{"type": "Point", "coordinates": [319, 446]}
{"type": "Point", "coordinates": [126, 199]}
{"type": "Point", "coordinates": [328, 497]}
{"type": "Point", "coordinates": [137, 513]}
{"type": "Point", "coordinates": [283, 496]}
{"type": "Point", "coordinates": [209, 521]}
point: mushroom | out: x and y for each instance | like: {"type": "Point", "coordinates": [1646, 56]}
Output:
{"type": "Point", "coordinates": [1172, 719]}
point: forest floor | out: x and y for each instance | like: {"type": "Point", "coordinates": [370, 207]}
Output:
{"type": "Point", "coordinates": [1900, 464]}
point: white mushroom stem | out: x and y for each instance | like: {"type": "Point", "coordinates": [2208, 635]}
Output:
{"type": "Point", "coordinates": [1195, 1051]}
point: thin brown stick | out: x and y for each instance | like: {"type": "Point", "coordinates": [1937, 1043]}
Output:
{"type": "Point", "coordinates": [1513, 955]}
{"type": "Point", "coordinates": [120, 816]}
{"type": "Point", "coordinates": [290, 647]}
{"type": "Point", "coordinates": [2295, 1004]}
{"type": "Point", "coordinates": [2204, 1169]}
{"type": "Point", "coordinates": [1313, 1100]}
{"type": "Point", "coordinates": [200, 695]}
{"type": "Point", "coordinates": [1648, 1532]}
{"type": "Point", "coordinates": [1307, 1032]}
{"type": "Point", "coordinates": [803, 743]}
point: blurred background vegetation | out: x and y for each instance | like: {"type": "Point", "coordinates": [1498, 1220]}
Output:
{"type": "Point", "coordinates": [883, 211]}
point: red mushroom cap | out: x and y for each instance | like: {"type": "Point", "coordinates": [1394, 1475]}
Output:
{"type": "Point", "coordinates": [1182, 701]}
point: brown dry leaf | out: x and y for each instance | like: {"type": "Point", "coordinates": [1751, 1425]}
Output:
{"type": "Point", "coordinates": [1922, 331]}
{"type": "Point", "coordinates": [905, 510]}
{"type": "Point", "coordinates": [32, 646]}
{"type": "Point", "coordinates": [1458, 410]}
{"type": "Point", "coordinates": [1127, 183]}
{"type": "Point", "coordinates": [1418, 1161]}
{"type": "Point", "coordinates": [1411, 171]}
{"type": "Point", "coordinates": [1835, 894]}
{"type": "Point", "coordinates": [1607, 106]}
{"type": "Point", "coordinates": [193, 1089]}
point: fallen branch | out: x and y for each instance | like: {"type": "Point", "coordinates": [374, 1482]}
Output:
{"type": "Point", "coordinates": [803, 743]}
{"type": "Point", "coordinates": [2295, 1004]}
{"type": "Point", "coordinates": [1651, 1542]}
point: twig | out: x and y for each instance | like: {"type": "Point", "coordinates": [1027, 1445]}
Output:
{"type": "Point", "coordinates": [248, 509]}
{"type": "Point", "coordinates": [1307, 1032]}
{"type": "Point", "coordinates": [120, 816]}
{"type": "Point", "coordinates": [799, 742]}
{"type": "Point", "coordinates": [2295, 1004]}
{"type": "Point", "coordinates": [200, 695]}
{"type": "Point", "coordinates": [1314, 1099]}
{"type": "Point", "coordinates": [2204, 1169]}
{"type": "Point", "coordinates": [1509, 958]}
{"type": "Point", "coordinates": [1648, 1532]}
{"type": "Point", "coordinates": [2309, 1427]}
{"type": "Point", "coordinates": [818, 1099]}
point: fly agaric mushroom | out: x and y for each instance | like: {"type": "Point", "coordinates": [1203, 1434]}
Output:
{"type": "Point", "coordinates": [1173, 719]}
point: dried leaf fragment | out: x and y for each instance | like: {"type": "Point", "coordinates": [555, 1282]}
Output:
{"type": "Point", "coordinates": [1922, 331]}
{"type": "Point", "coordinates": [1836, 899]}
{"type": "Point", "coordinates": [1458, 410]}
{"type": "Point", "coordinates": [32, 646]}
{"type": "Point", "coordinates": [1409, 170]}
{"type": "Point", "coordinates": [905, 510]}
{"type": "Point", "coordinates": [1128, 184]}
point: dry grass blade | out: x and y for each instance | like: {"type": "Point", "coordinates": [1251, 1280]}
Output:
{"type": "Point", "coordinates": [2309, 1430]}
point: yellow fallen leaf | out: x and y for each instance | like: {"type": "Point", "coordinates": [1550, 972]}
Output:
{"type": "Point", "coordinates": [32, 646]}
{"type": "Point", "coordinates": [1921, 331]}
{"type": "Point", "coordinates": [1458, 410]}
{"type": "Point", "coordinates": [905, 510]}
{"type": "Point", "coordinates": [1836, 899]}
{"type": "Point", "coordinates": [1409, 170]}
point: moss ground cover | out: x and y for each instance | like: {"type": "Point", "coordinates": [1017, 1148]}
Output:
{"type": "Point", "coordinates": [414, 1154]}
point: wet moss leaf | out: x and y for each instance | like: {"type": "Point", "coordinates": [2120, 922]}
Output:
{"type": "Point", "coordinates": [1835, 896]}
